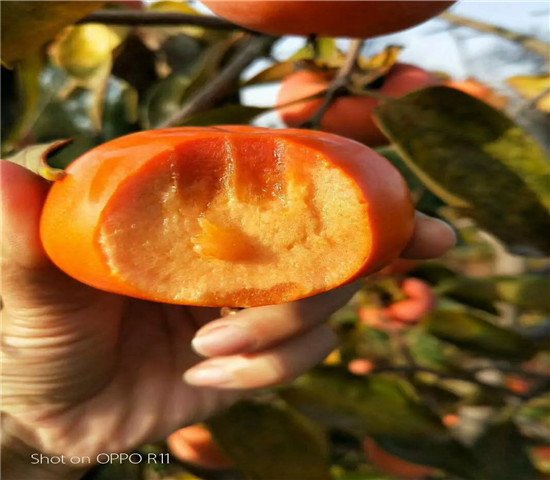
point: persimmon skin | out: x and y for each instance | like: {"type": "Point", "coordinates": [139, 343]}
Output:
{"type": "Point", "coordinates": [349, 116]}
{"type": "Point", "coordinates": [352, 19]}
{"type": "Point", "coordinates": [74, 209]}
{"type": "Point", "coordinates": [479, 90]}
{"type": "Point", "coordinates": [392, 464]}
{"type": "Point", "coordinates": [196, 445]}
{"type": "Point", "coordinates": [421, 300]}
{"type": "Point", "coordinates": [361, 366]}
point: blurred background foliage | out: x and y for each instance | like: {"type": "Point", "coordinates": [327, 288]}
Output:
{"type": "Point", "coordinates": [443, 369]}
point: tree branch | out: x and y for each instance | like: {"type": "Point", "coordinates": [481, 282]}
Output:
{"type": "Point", "coordinates": [526, 41]}
{"type": "Point", "coordinates": [340, 82]}
{"type": "Point", "coordinates": [220, 86]}
{"type": "Point", "coordinates": [118, 17]}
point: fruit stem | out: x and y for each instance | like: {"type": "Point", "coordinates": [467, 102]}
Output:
{"type": "Point", "coordinates": [339, 83]}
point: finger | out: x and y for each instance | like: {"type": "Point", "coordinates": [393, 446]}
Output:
{"type": "Point", "coordinates": [256, 329]}
{"type": "Point", "coordinates": [30, 281]}
{"type": "Point", "coordinates": [22, 196]}
{"type": "Point", "coordinates": [432, 238]}
{"type": "Point", "coordinates": [277, 365]}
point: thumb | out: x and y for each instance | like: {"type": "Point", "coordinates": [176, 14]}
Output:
{"type": "Point", "coordinates": [22, 196]}
{"type": "Point", "coordinates": [29, 279]}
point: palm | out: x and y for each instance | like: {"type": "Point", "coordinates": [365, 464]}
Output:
{"type": "Point", "coordinates": [111, 367]}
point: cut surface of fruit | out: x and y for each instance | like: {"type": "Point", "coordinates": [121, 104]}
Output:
{"type": "Point", "coordinates": [226, 217]}
{"type": "Point", "coordinates": [221, 215]}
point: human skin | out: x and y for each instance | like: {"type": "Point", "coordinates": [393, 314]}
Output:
{"type": "Point", "coordinates": [87, 372]}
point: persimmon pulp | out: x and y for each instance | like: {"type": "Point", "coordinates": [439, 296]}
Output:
{"type": "Point", "coordinates": [221, 217]}
{"type": "Point", "coordinates": [232, 213]}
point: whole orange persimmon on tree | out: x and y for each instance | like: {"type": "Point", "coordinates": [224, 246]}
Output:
{"type": "Point", "coordinates": [478, 89]}
{"type": "Point", "coordinates": [363, 19]}
{"type": "Point", "coordinates": [196, 445]}
{"type": "Point", "coordinates": [348, 115]}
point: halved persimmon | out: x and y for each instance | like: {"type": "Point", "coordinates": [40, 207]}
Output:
{"type": "Point", "coordinates": [226, 216]}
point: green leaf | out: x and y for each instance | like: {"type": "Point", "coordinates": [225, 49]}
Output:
{"type": "Point", "coordinates": [366, 342]}
{"type": "Point", "coordinates": [163, 100]}
{"type": "Point", "coordinates": [71, 115]}
{"type": "Point", "coordinates": [210, 65]}
{"type": "Point", "coordinates": [304, 53]}
{"type": "Point", "coordinates": [35, 158]}
{"type": "Point", "coordinates": [384, 406]}
{"type": "Point", "coordinates": [473, 292]}
{"type": "Point", "coordinates": [503, 452]}
{"type": "Point", "coordinates": [226, 115]}
{"type": "Point", "coordinates": [474, 330]}
{"type": "Point", "coordinates": [432, 272]}
{"type": "Point", "coordinates": [81, 144]}
{"type": "Point", "coordinates": [29, 92]}
{"type": "Point", "coordinates": [11, 106]}
{"type": "Point", "coordinates": [533, 87]}
{"type": "Point", "coordinates": [328, 54]}
{"type": "Point", "coordinates": [271, 442]}
{"type": "Point", "coordinates": [374, 405]}
{"type": "Point", "coordinates": [273, 73]}
{"type": "Point", "coordinates": [168, 96]}
{"type": "Point", "coordinates": [182, 53]}
{"type": "Point", "coordinates": [322, 54]}
{"type": "Point", "coordinates": [477, 160]}
{"type": "Point", "coordinates": [27, 25]}
{"type": "Point", "coordinates": [530, 292]}
{"type": "Point", "coordinates": [430, 352]}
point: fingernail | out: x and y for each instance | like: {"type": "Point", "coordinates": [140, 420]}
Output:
{"type": "Point", "coordinates": [223, 340]}
{"type": "Point", "coordinates": [207, 375]}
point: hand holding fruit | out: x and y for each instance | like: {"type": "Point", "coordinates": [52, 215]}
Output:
{"type": "Point", "coordinates": [73, 354]}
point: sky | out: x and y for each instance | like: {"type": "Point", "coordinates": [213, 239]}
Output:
{"type": "Point", "coordinates": [459, 52]}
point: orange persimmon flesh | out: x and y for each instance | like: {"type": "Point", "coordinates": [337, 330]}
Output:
{"type": "Point", "coordinates": [226, 216]}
